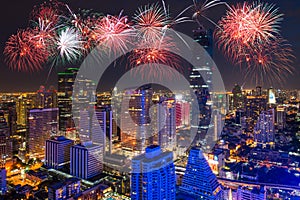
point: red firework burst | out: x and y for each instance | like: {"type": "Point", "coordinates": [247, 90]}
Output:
{"type": "Point", "coordinates": [48, 13]}
{"type": "Point", "coordinates": [113, 33]}
{"type": "Point", "coordinates": [22, 53]}
{"type": "Point", "coordinates": [150, 58]}
{"type": "Point", "coordinates": [249, 34]}
{"type": "Point", "coordinates": [150, 21]}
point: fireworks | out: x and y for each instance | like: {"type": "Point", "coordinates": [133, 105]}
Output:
{"type": "Point", "coordinates": [48, 13]}
{"type": "Point", "coordinates": [270, 62]}
{"type": "Point", "coordinates": [69, 44]}
{"type": "Point", "coordinates": [113, 33]}
{"type": "Point", "coordinates": [249, 34]}
{"type": "Point", "coordinates": [21, 52]}
{"type": "Point", "coordinates": [150, 21]}
{"type": "Point", "coordinates": [148, 59]}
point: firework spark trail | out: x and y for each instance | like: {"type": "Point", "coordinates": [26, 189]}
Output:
{"type": "Point", "coordinates": [22, 54]}
{"type": "Point", "coordinates": [200, 9]}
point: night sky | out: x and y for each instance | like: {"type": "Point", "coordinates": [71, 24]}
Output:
{"type": "Point", "coordinates": [14, 16]}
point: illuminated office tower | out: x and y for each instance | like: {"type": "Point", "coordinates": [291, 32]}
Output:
{"type": "Point", "coordinates": [237, 98]}
{"type": "Point", "coordinates": [166, 123]}
{"type": "Point", "coordinates": [199, 180]}
{"type": "Point", "coordinates": [217, 120]}
{"type": "Point", "coordinates": [46, 98]}
{"type": "Point", "coordinates": [57, 153]}
{"type": "Point", "coordinates": [182, 114]}
{"type": "Point", "coordinates": [135, 117]}
{"type": "Point", "coordinates": [153, 175]}
{"type": "Point", "coordinates": [264, 131]}
{"type": "Point", "coordinates": [86, 160]}
{"type": "Point", "coordinates": [4, 140]}
{"type": "Point", "coordinates": [24, 103]}
{"type": "Point", "coordinates": [281, 117]}
{"type": "Point", "coordinates": [43, 123]}
{"type": "Point", "coordinates": [198, 76]}
{"type": "Point", "coordinates": [271, 97]}
{"type": "Point", "coordinates": [65, 90]}
{"type": "Point", "coordinates": [84, 101]}
{"type": "Point", "coordinates": [92, 128]}
{"type": "Point", "coordinates": [10, 115]}
{"type": "Point", "coordinates": [107, 123]}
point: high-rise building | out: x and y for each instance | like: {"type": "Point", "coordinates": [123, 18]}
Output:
{"type": "Point", "coordinates": [271, 96]}
{"type": "Point", "coordinates": [237, 98]}
{"type": "Point", "coordinates": [166, 123]}
{"type": "Point", "coordinates": [217, 120]}
{"type": "Point", "coordinates": [153, 175]}
{"type": "Point", "coordinates": [107, 123]}
{"type": "Point", "coordinates": [10, 115]}
{"type": "Point", "coordinates": [264, 131]}
{"type": "Point", "coordinates": [24, 103]}
{"type": "Point", "coordinates": [4, 140]}
{"type": "Point", "coordinates": [182, 114]}
{"type": "Point", "coordinates": [199, 179]}
{"type": "Point", "coordinates": [57, 152]}
{"type": "Point", "coordinates": [46, 98]}
{"type": "Point", "coordinates": [93, 128]}
{"type": "Point", "coordinates": [198, 76]}
{"type": "Point", "coordinates": [43, 123]}
{"type": "Point", "coordinates": [86, 160]}
{"type": "Point", "coordinates": [135, 117]}
{"type": "Point", "coordinates": [281, 117]}
{"type": "Point", "coordinates": [65, 90]}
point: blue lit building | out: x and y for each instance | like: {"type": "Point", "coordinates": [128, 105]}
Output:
{"type": "Point", "coordinates": [199, 179]}
{"type": "Point", "coordinates": [57, 152]}
{"type": "Point", "coordinates": [86, 160]}
{"type": "Point", "coordinates": [153, 175]}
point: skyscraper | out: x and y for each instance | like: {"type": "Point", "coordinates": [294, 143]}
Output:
{"type": "Point", "coordinates": [197, 82]}
{"type": "Point", "coordinates": [166, 123]}
{"type": "Point", "coordinates": [57, 153]}
{"type": "Point", "coordinates": [65, 90]}
{"type": "Point", "coordinates": [135, 117]}
{"type": "Point", "coordinates": [237, 98]}
{"type": "Point", "coordinates": [182, 114]}
{"type": "Point", "coordinates": [199, 179]}
{"type": "Point", "coordinates": [46, 98]}
{"type": "Point", "coordinates": [109, 126]}
{"type": "Point", "coordinates": [43, 123]}
{"type": "Point", "coordinates": [264, 131]}
{"type": "Point", "coordinates": [4, 140]}
{"type": "Point", "coordinates": [153, 175]}
{"type": "Point", "coordinates": [281, 117]}
{"type": "Point", "coordinates": [10, 115]}
{"type": "Point", "coordinates": [86, 160]}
